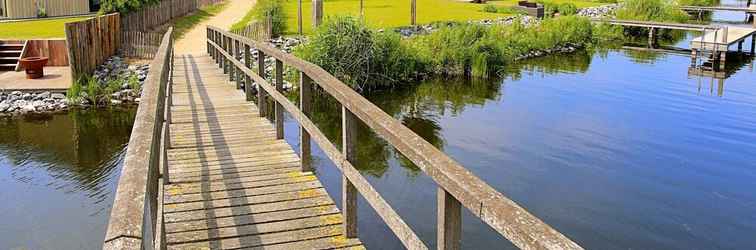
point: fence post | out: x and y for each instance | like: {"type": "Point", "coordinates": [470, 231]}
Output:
{"type": "Point", "coordinates": [349, 149]}
{"type": "Point", "coordinates": [261, 104]}
{"type": "Point", "coordinates": [247, 79]}
{"type": "Point", "coordinates": [449, 221]}
{"type": "Point", "coordinates": [279, 108]}
{"type": "Point", "coordinates": [317, 12]}
{"type": "Point", "coordinates": [414, 12]}
{"type": "Point", "coordinates": [305, 105]}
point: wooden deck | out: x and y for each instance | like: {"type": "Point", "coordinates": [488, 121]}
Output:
{"type": "Point", "coordinates": [233, 184]}
{"type": "Point", "coordinates": [722, 39]}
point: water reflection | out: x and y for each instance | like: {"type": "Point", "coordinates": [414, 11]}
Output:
{"type": "Point", "coordinates": [69, 163]}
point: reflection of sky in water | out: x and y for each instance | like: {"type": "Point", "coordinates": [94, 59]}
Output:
{"type": "Point", "coordinates": [58, 176]}
{"type": "Point", "coordinates": [615, 151]}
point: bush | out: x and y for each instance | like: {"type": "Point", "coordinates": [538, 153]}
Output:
{"type": "Point", "coordinates": [490, 8]}
{"type": "Point", "coordinates": [567, 9]}
{"type": "Point", "coordinates": [124, 6]}
{"type": "Point", "coordinates": [550, 8]}
{"type": "Point", "coordinates": [652, 10]}
{"type": "Point", "coordinates": [359, 56]}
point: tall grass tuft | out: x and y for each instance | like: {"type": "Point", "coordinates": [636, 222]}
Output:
{"type": "Point", "coordinates": [261, 12]}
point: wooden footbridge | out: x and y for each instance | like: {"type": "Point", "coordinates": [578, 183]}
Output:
{"type": "Point", "coordinates": [205, 169]}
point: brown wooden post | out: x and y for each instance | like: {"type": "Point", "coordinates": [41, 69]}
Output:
{"type": "Point", "coordinates": [261, 104]}
{"type": "Point", "coordinates": [237, 56]}
{"type": "Point", "coordinates": [693, 57]}
{"type": "Point", "coordinates": [349, 149]}
{"type": "Point", "coordinates": [449, 221]}
{"type": "Point", "coordinates": [413, 9]}
{"type": "Point", "coordinates": [279, 108]}
{"type": "Point", "coordinates": [753, 43]}
{"type": "Point", "coordinates": [305, 105]}
{"type": "Point", "coordinates": [740, 46]}
{"type": "Point", "coordinates": [231, 66]}
{"type": "Point", "coordinates": [722, 60]}
{"type": "Point", "coordinates": [224, 60]}
{"type": "Point", "coordinates": [247, 79]}
{"type": "Point", "coordinates": [317, 12]}
{"type": "Point", "coordinates": [216, 39]}
{"type": "Point", "coordinates": [299, 17]}
{"type": "Point", "coordinates": [362, 8]}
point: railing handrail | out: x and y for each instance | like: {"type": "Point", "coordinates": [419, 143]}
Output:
{"type": "Point", "coordinates": [502, 214]}
{"type": "Point", "coordinates": [136, 201]}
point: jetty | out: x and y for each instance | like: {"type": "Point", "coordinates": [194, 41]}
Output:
{"type": "Point", "coordinates": [714, 43]}
{"type": "Point", "coordinates": [207, 166]}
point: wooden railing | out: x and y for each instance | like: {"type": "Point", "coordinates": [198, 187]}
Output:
{"type": "Point", "coordinates": [457, 186]}
{"type": "Point", "coordinates": [136, 215]}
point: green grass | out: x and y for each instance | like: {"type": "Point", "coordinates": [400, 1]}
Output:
{"type": "Point", "coordinates": [36, 29]}
{"type": "Point", "coordinates": [186, 23]}
{"type": "Point", "coordinates": [396, 13]}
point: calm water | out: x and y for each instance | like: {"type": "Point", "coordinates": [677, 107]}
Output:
{"type": "Point", "coordinates": [57, 177]}
{"type": "Point", "coordinates": [616, 149]}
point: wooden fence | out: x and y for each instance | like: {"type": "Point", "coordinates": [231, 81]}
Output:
{"type": "Point", "coordinates": [90, 42]}
{"type": "Point", "coordinates": [30, 8]}
{"type": "Point", "coordinates": [258, 31]}
{"type": "Point", "coordinates": [140, 44]}
{"type": "Point", "coordinates": [157, 15]}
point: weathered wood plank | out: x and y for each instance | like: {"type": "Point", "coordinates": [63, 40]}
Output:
{"type": "Point", "coordinates": [179, 198]}
{"type": "Point", "coordinates": [297, 213]}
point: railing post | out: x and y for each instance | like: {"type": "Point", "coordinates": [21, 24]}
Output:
{"type": "Point", "coordinates": [238, 71]}
{"type": "Point", "coordinates": [247, 79]}
{"type": "Point", "coordinates": [279, 108]}
{"type": "Point", "coordinates": [305, 105]}
{"type": "Point", "coordinates": [224, 60]}
{"type": "Point", "coordinates": [449, 221]}
{"type": "Point", "coordinates": [261, 104]}
{"type": "Point", "coordinates": [216, 40]}
{"type": "Point", "coordinates": [208, 44]}
{"type": "Point", "coordinates": [231, 66]}
{"type": "Point", "coordinates": [349, 195]}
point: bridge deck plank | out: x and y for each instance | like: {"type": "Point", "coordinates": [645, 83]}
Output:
{"type": "Point", "coordinates": [233, 184]}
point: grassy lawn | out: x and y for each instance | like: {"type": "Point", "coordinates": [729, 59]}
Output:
{"type": "Point", "coordinates": [395, 13]}
{"type": "Point", "coordinates": [36, 29]}
{"type": "Point", "coordinates": [186, 23]}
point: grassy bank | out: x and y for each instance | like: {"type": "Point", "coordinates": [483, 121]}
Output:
{"type": "Point", "coordinates": [367, 59]}
{"type": "Point", "coordinates": [36, 29]}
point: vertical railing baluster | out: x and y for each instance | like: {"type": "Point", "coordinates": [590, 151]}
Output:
{"type": "Point", "coordinates": [279, 108]}
{"type": "Point", "coordinates": [349, 195]}
{"type": "Point", "coordinates": [247, 79]}
{"type": "Point", "coordinates": [238, 76]}
{"type": "Point", "coordinates": [449, 221]}
{"type": "Point", "coordinates": [216, 40]}
{"type": "Point", "coordinates": [230, 52]}
{"type": "Point", "coordinates": [223, 57]}
{"type": "Point", "coordinates": [305, 105]}
{"type": "Point", "coordinates": [261, 104]}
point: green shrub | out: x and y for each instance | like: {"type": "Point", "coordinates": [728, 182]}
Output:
{"type": "Point", "coordinates": [567, 9]}
{"type": "Point", "coordinates": [124, 6]}
{"type": "Point", "coordinates": [652, 10]}
{"type": "Point", "coordinates": [359, 56]}
{"type": "Point", "coordinates": [490, 8]}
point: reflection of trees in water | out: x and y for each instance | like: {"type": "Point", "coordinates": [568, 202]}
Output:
{"type": "Point", "coordinates": [576, 62]}
{"type": "Point", "coordinates": [418, 107]}
{"type": "Point", "coordinates": [74, 152]}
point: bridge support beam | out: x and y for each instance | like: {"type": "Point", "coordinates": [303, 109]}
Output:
{"type": "Point", "coordinates": [740, 46]}
{"type": "Point", "coordinates": [349, 195]}
{"type": "Point", "coordinates": [652, 37]}
{"type": "Point", "coordinates": [753, 43]}
{"type": "Point", "coordinates": [693, 57]}
{"type": "Point", "coordinates": [722, 58]}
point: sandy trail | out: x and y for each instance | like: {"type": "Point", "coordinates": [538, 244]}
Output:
{"type": "Point", "coordinates": [194, 41]}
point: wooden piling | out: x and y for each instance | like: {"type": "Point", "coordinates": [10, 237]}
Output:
{"type": "Point", "coordinates": [449, 221]}
{"type": "Point", "coordinates": [349, 150]}
{"type": "Point", "coordinates": [317, 13]}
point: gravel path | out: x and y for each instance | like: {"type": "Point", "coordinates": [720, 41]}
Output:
{"type": "Point", "coordinates": [194, 42]}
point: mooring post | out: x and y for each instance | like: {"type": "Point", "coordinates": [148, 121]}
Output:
{"type": "Point", "coordinates": [279, 108]}
{"type": "Point", "coordinates": [449, 221]}
{"type": "Point", "coordinates": [299, 17]}
{"type": "Point", "coordinates": [349, 149]}
{"type": "Point", "coordinates": [413, 9]}
{"type": "Point", "coordinates": [247, 79]}
{"type": "Point", "coordinates": [740, 46]}
{"type": "Point", "coordinates": [317, 12]}
{"type": "Point", "coordinates": [261, 104]}
{"type": "Point", "coordinates": [652, 36]}
{"type": "Point", "coordinates": [305, 105]}
{"type": "Point", "coordinates": [753, 44]}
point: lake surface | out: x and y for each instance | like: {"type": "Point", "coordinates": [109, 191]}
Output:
{"type": "Point", "coordinates": [58, 175]}
{"type": "Point", "coordinates": [617, 149]}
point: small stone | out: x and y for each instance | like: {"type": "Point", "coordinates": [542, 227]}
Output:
{"type": "Point", "coordinates": [58, 96]}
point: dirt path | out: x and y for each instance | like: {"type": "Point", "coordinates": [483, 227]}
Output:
{"type": "Point", "coordinates": [194, 42]}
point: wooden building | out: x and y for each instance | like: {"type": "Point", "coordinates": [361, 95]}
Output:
{"type": "Point", "coordinates": [13, 9]}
